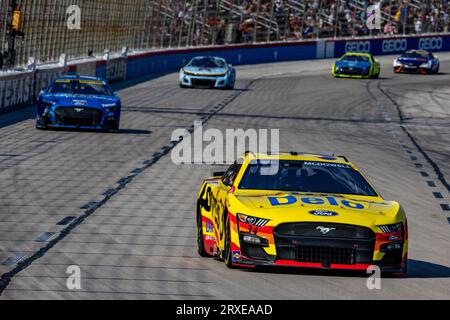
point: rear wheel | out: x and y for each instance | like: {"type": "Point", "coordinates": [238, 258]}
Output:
{"type": "Point", "coordinates": [200, 241]}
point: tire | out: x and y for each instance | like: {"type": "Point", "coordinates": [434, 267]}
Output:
{"type": "Point", "coordinates": [40, 126]}
{"type": "Point", "coordinates": [116, 127]}
{"type": "Point", "coordinates": [200, 243]}
{"type": "Point", "coordinates": [437, 69]}
{"type": "Point", "coordinates": [227, 256]}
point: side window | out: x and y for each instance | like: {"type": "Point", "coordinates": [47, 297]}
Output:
{"type": "Point", "coordinates": [230, 176]}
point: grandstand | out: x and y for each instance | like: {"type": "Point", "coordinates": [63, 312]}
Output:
{"type": "Point", "coordinates": [148, 24]}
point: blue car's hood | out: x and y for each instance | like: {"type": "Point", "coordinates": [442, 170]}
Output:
{"type": "Point", "coordinates": [206, 71]}
{"type": "Point", "coordinates": [79, 100]}
{"type": "Point", "coordinates": [353, 64]}
{"type": "Point", "coordinates": [413, 61]}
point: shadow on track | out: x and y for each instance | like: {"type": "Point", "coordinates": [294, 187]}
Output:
{"type": "Point", "coordinates": [416, 270]}
{"type": "Point", "coordinates": [13, 117]}
{"type": "Point", "coordinates": [424, 270]}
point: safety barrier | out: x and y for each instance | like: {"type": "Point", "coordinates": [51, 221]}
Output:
{"type": "Point", "coordinates": [19, 89]}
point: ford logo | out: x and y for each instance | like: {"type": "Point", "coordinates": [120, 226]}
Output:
{"type": "Point", "coordinates": [324, 213]}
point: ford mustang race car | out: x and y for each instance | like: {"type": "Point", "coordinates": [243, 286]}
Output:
{"type": "Point", "coordinates": [208, 72]}
{"type": "Point", "coordinates": [299, 210]}
{"type": "Point", "coordinates": [417, 61]}
{"type": "Point", "coordinates": [356, 65]}
{"type": "Point", "coordinates": [78, 102]}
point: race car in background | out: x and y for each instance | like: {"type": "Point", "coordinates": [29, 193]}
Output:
{"type": "Point", "coordinates": [78, 102]}
{"type": "Point", "coordinates": [299, 210]}
{"type": "Point", "coordinates": [208, 72]}
{"type": "Point", "coordinates": [418, 61]}
{"type": "Point", "coordinates": [356, 65]}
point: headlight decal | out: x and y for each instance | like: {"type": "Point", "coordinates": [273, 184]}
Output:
{"type": "Point", "coordinates": [253, 221]}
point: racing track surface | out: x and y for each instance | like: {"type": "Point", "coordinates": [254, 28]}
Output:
{"type": "Point", "coordinates": [134, 230]}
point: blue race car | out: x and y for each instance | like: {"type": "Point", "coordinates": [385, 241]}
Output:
{"type": "Point", "coordinates": [208, 72]}
{"type": "Point", "coordinates": [78, 102]}
{"type": "Point", "coordinates": [418, 61]}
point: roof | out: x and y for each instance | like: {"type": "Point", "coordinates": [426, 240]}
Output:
{"type": "Point", "coordinates": [362, 54]}
{"type": "Point", "coordinates": [208, 57]}
{"type": "Point", "coordinates": [299, 156]}
{"type": "Point", "coordinates": [79, 77]}
{"type": "Point", "coordinates": [418, 51]}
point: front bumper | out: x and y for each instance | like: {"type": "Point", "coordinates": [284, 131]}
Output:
{"type": "Point", "coordinates": [78, 118]}
{"type": "Point", "coordinates": [356, 248]}
{"type": "Point", "coordinates": [204, 81]}
{"type": "Point", "coordinates": [355, 73]}
{"type": "Point", "coordinates": [411, 69]}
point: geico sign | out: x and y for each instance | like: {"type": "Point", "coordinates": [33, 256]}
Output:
{"type": "Point", "coordinates": [357, 46]}
{"type": "Point", "coordinates": [395, 45]}
{"type": "Point", "coordinates": [430, 43]}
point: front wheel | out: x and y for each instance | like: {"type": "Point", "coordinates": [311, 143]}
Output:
{"type": "Point", "coordinates": [115, 127]}
{"type": "Point", "coordinates": [228, 255]}
{"type": "Point", "coordinates": [40, 125]}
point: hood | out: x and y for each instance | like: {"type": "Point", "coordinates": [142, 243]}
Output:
{"type": "Point", "coordinates": [78, 100]}
{"type": "Point", "coordinates": [413, 61]}
{"type": "Point", "coordinates": [353, 64]}
{"type": "Point", "coordinates": [302, 207]}
{"type": "Point", "coordinates": [205, 71]}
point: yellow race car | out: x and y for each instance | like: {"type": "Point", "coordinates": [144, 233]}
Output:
{"type": "Point", "coordinates": [356, 65]}
{"type": "Point", "coordinates": [299, 210]}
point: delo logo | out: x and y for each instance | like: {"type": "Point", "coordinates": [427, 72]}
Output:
{"type": "Point", "coordinates": [357, 46]}
{"type": "Point", "coordinates": [328, 201]}
{"type": "Point", "coordinates": [430, 43]}
{"type": "Point", "coordinates": [395, 45]}
{"type": "Point", "coordinates": [324, 213]}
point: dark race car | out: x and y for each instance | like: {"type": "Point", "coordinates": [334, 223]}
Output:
{"type": "Point", "coordinates": [417, 61]}
{"type": "Point", "coordinates": [78, 102]}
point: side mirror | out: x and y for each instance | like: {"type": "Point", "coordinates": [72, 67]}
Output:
{"type": "Point", "coordinates": [218, 174]}
{"type": "Point", "coordinates": [41, 92]}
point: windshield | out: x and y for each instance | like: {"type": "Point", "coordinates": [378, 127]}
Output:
{"type": "Point", "coordinates": [207, 63]}
{"type": "Point", "coordinates": [356, 58]}
{"type": "Point", "coordinates": [85, 87]}
{"type": "Point", "coordinates": [415, 55]}
{"type": "Point", "coordinates": [304, 176]}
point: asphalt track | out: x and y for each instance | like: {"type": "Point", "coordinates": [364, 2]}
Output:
{"type": "Point", "coordinates": [133, 233]}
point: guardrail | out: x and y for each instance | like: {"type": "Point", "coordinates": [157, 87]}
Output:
{"type": "Point", "coordinates": [20, 89]}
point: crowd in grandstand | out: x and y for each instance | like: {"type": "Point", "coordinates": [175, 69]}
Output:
{"type": "Point", "coordinates": [305, 19]}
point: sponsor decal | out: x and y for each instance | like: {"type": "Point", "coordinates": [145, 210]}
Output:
{"type": "Point", "coordinates": [394, 45]}
{"type": "Point", "coordinates": [357, 46]}
{"type": "Point", "coordinates": [209, 227]}
{"type": "Point", "coordinates": [434, 43]}
{"type": "Point", "coordinates": [324, 230]}
{"type": "Point", "coordinates": [79, 103]}
{"type": "Point", "coordinates": [328, 201]}
{"type": "Point", "coordinates": [236, 255]}
{"type": "Point", "coordinates": [324, 213]}
{"type": "Point", "coordinates": [16, 91]}
{"type": "Point", "coordinates": [116, 69]}
{"type": "Point", "coordinates": [327, 164]}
